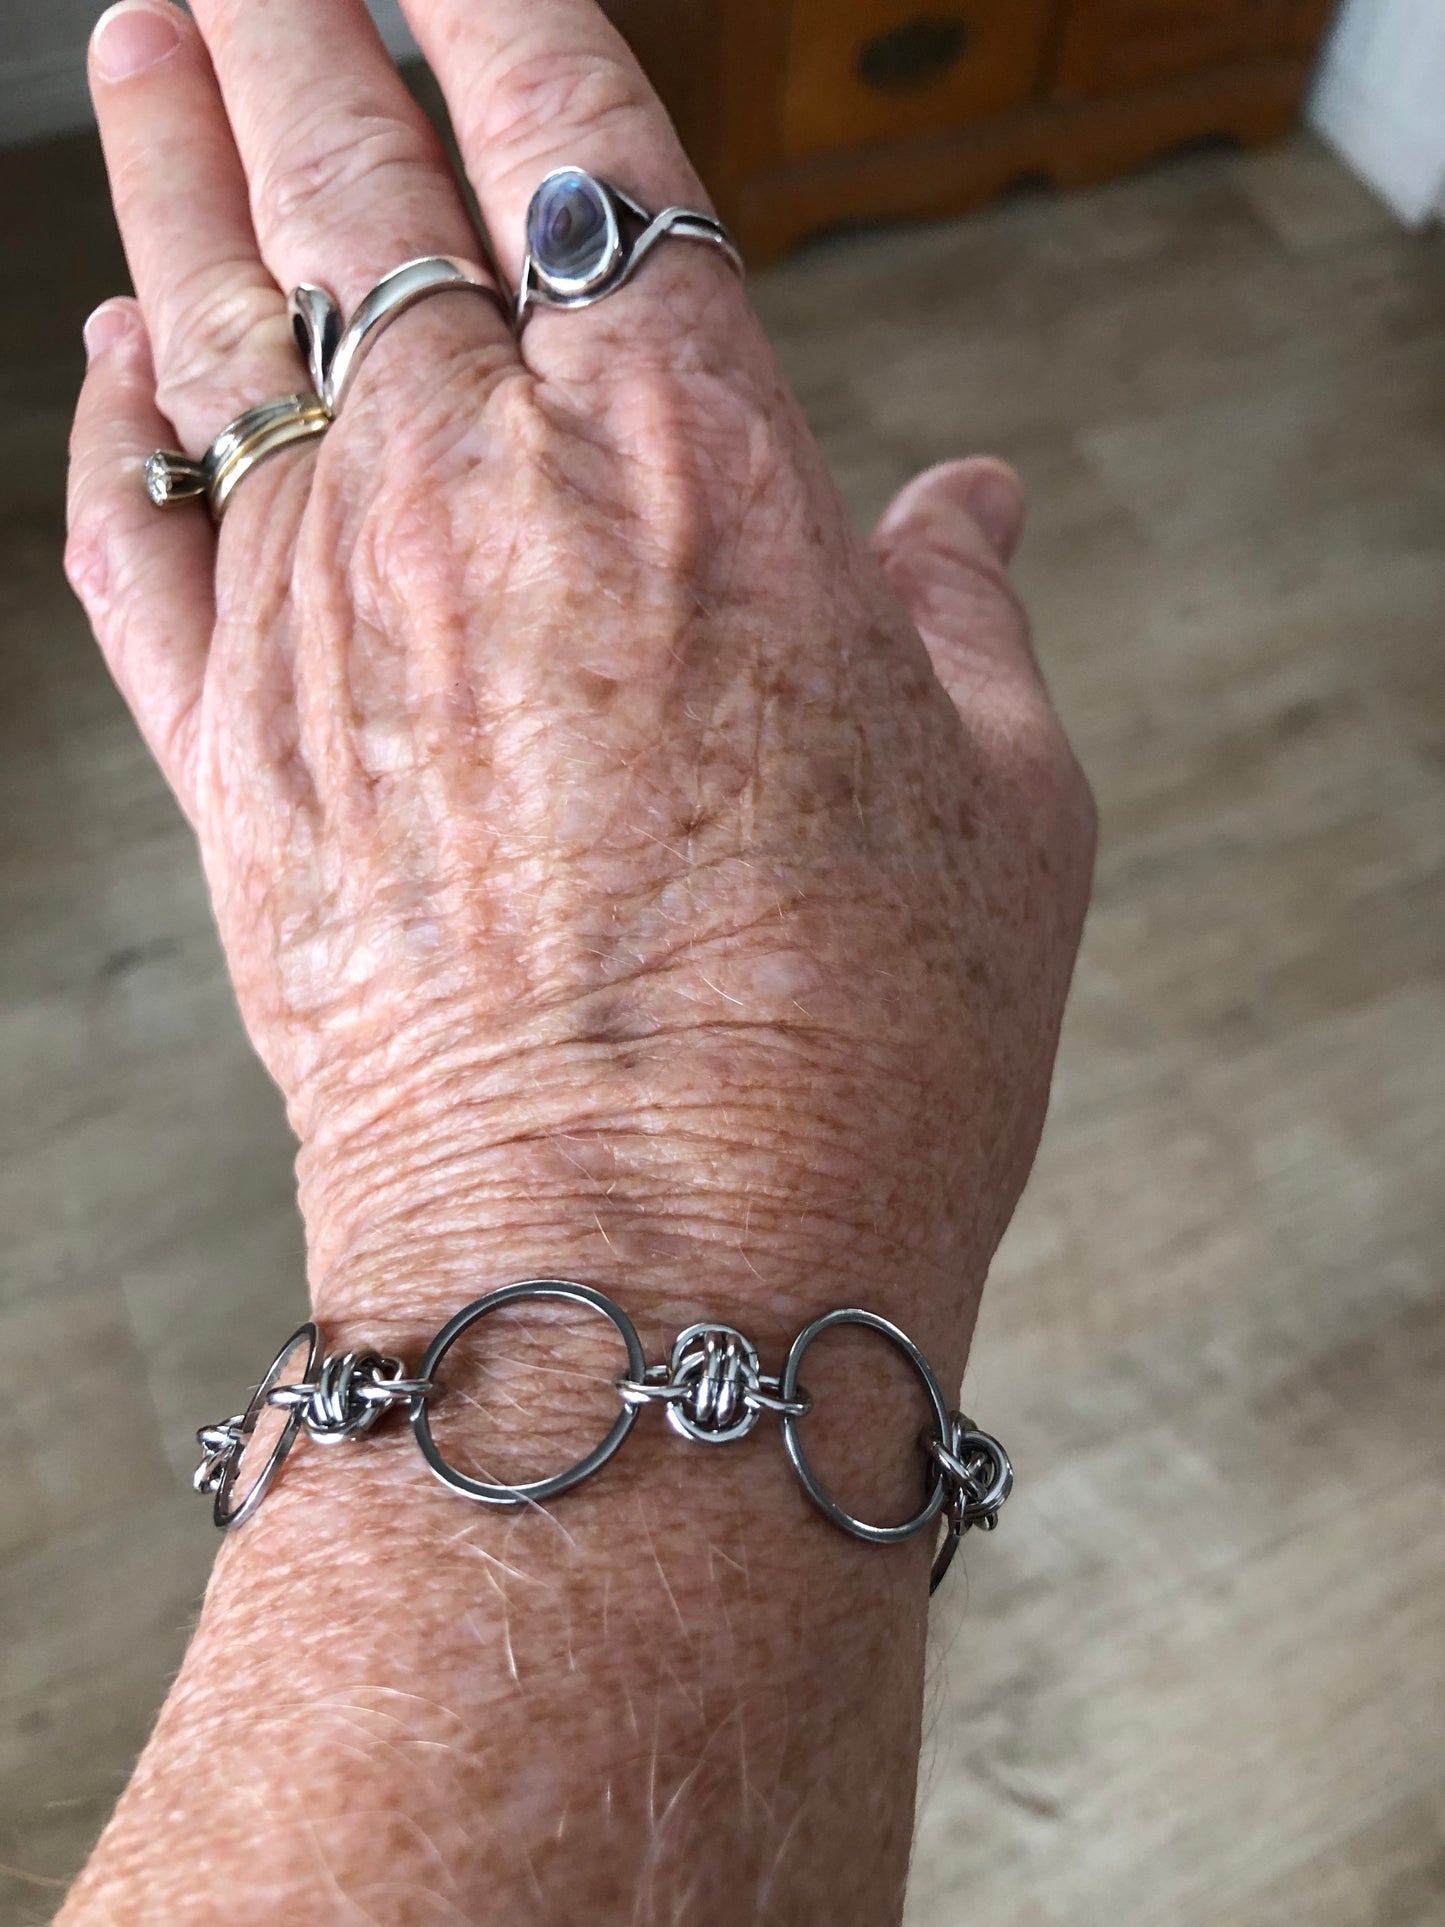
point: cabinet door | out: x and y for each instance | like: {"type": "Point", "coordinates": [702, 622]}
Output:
{"type": "Point", "coordinates": [1305, 23]}
{"type": "Point", "coordinates": [1120, 46]}
{"type": "Point", "coordinates": [867, 70]}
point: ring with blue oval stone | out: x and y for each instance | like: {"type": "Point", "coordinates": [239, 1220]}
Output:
{"type": "Point", "coordinates": [585, 236]}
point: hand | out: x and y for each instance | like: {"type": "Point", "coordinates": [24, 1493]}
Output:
{"type": "Point", "coordinates": [582, 812]}
{"type": "Point", "coordinates": [626, 873]}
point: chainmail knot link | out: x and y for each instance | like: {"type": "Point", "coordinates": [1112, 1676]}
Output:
{"type": "Point", "coordinates": [712, 1386]}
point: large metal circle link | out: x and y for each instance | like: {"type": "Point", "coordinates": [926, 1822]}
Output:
{"type": "Point", "coordinates": [304, 1334]}
{"type": "Point", "coordinates": [793, 1444]}
{"type": "Point", "coordinates": [536, 1490]}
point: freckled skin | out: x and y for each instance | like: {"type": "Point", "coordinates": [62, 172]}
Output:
{"type": "Point", "coordinates": [569, 722]}
{"type": "Point", "coordinates": [629, 874]}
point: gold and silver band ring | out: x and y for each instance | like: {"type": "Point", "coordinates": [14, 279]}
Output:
{"type": "Point", "coordinates": [333, 353]}
{"type": "Point", "coordinates": [171, 477]}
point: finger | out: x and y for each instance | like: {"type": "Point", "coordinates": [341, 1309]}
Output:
{"type": "Point", "coordinates": [347, 178]}
{"type": "Point", "coordinates": [537, 84]}
{"type": "Point", "coordinates": [945, 543]}
{"type": "Point", "coordinates": [144, 579]}
{"type": "Point", "coordinates": [216, 319]}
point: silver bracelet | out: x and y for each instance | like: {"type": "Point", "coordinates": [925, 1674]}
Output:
{"type": "Point", "coordinates": [712, 1390]}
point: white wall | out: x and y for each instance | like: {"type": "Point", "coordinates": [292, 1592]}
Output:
{"type": "Point", "coordinates": [42, 62]}
{"type": "Point", "coordinates": [1380, 100]}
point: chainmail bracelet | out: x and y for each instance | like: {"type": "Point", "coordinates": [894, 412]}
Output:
{"type": "Point", "coordinates": [711, 1388]}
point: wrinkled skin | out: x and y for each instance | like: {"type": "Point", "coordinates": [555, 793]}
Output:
{"type": "Point", "coordinates": [626, 873]}
{"type": "Point", "coordinates": [582, 757]}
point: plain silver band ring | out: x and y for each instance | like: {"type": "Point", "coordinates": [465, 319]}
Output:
{"type": "Point", "coordinates": [334, 352]}
{"type": "Point", "coordinates": [623, 234]}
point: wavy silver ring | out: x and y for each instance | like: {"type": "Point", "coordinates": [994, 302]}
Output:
{"type": "Point", "coordinates": [585, 237]}
{"type": "Point", "coordinates": [171, 477]}
{"type": "Point", "coordinates": [333, 351]}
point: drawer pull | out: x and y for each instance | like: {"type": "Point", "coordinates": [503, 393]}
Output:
{"type": "Point", "coordinates": [914, 56]}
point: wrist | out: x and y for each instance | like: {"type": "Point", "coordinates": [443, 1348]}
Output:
{"type": "Point", "coordinates": [742, 1178]}
{"type": "Point", "coordinates": [596, 1688]}
{"type": "Point", "coordinates": [662, 1640]}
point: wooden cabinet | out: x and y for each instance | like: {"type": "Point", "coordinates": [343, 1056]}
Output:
{"type": "Point", "coordinates": [884, 70]}
{"type": "Point", "coordinates": [1122, 46]}
{"type": "Point", "coordinates": [808, 114]}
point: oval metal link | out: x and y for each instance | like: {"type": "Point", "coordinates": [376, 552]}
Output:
{"type": "Point", "coordinates": [530, 1492]}
{"type": "Point", "coordinates": [308, 1335]}
{"type": "Point", "coordinates": [793, 1445]}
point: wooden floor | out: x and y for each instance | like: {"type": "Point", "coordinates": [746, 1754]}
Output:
{"type": "Point", "coordinates": [1197, 1677]}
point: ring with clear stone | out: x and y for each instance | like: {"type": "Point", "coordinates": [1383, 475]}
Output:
{"type": "Point", "coordinates": [585, 237]}
{"type": "Point", "coordinates": [171, 477]}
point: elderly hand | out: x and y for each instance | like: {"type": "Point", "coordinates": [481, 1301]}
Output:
{"type": "Point", "coordinates": [626, 873]}
{"type": "Point", "coordinates": [592, 819]}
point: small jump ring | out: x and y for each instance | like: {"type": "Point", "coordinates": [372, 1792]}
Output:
{"type": "Point", "coordinates": [640, 1392]}
{"type": "Point", "coordinates": [289, 1398]}
{"type": "Point", "coordinates": [395, 1391]}
{"type": "Point", "coordinates": [773, 1401]}
{"type": "Point", "coordinates": [585, 237]}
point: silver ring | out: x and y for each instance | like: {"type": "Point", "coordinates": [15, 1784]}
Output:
{"type": "Point", "coordinates": [334, 352]}
{"type": "Point", "coordinates": [534, 1491]}
{"type": "Point", "coordinates": [171, 477]}
{"type": "Point", "coordinates": [304, 1334]}
{"type": "Point", "coordinates": [585, 237]}
{"type": "Point", "coordinates": [792, 1444]}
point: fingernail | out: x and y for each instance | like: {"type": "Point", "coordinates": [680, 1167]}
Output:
{"type": "Point", "coordinates": [128, 39]}
{"type": "Point", "coordinates": [996, 502]}
{"type": "Point", "coordinates": [111, 321]}
{"type": "Point", "coordinates": [981, 487]}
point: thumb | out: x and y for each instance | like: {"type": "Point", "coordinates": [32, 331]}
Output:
{"type": "Point", "coordinates": [945, 542]}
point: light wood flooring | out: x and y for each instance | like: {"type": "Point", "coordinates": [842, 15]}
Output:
{"type": "Point", "coordinates": [1196, 1678]}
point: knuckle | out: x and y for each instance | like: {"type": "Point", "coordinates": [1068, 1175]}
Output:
{"type": "Point", "coordinates": [329, 160]}
{"type": "Point", "coordinates": [100, 559]}
{"type": "Point", "coordinates": [173, 736]}
{"type": "Point", "coordinates": [87, 562]}
{"type": "Point", "coordinates": [1068, 816]}
{"type": "Point", "coordinates": [94, 542]}
{"type": "Point", "coordinates": [1033, 761]}
{"type": "Point", "coordinates": [519, 108]}
{"type": "Point", "coordinates": [214, 313]}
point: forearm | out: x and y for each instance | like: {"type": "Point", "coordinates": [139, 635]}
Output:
{"type": "Point", "coordinates": [676, 1689]}
{"type": "Point", "coordinates": [625, 875]}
